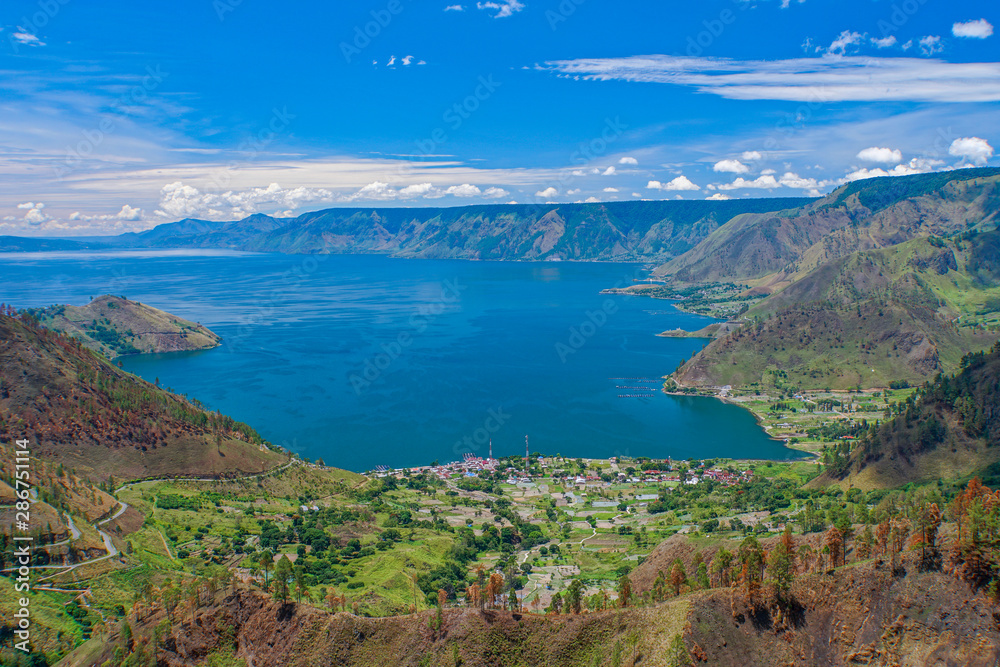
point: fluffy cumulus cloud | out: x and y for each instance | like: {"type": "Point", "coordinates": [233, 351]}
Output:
{"type": "Point", "coordinates": [179, 200]}
{"type": "Point", "coordinates": [611, 189]}
{"type": "Point", "coordinates": [628, 160]}
{"type": "Point", "coordinates": [718, 196]}
{"type": "Point", "coordinates": [679, 183]}
{"type": "Point", "coordinates": [34, 213]}
{"type": "Point", "coordinates": [751, 156]}
{"type": "Point", "coordinates": [547, 193]}
{"type": "Point", "coordinates": [973, 149]}
{"type": "Point", "coordinates": [882, 155]}
{"type": "Point", "coordinates": [765, 182]}
{"type": "Point", "coordinates": [914, 166]}
{"type": "Point", "coordinates": [610, 171]}
{"type": "Point", "coordinates": [846, 42]}
{"type": "Point", "coordinates": [454, 8]}
{"type": "Point", "coordinates": [501, 9]}
{"type": "Point", "coordinates": [979, 29]}
{"type": "Point", "coordinates": [930, 45]}
{"type": "Point", "coordinates": [731, 166]}
{"type": "Point", "coordinates": [127, 214]}
{"type": "Point", "coordinates": [884, 42]}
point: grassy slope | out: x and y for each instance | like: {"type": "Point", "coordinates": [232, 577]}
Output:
{"type": "Point", "coordinates": [113, 325]}
{"type": "Point", "coordinates": [80, 410]}
{"type": "Point", "coordinates": [774, 249]}
{"type": "Point", "coordinates": [952, 430]}
{"type": "Point", "coordinates": [864, 320]}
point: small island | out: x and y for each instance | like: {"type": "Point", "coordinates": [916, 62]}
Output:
{"type": "Point", "coordinates": [115, 326]}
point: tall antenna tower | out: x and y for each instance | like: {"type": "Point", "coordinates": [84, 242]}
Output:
{"type": "Point", "coordinates": [526, 456]}
{"type": "Point", "coordinates": [491, 449]}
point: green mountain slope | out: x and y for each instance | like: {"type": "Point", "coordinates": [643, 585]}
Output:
{"type": "Point", "coordinates": [950, 428]}
{"type": "Point", "coordinates": [899, 313]}
{"type": "Point", "coordinates": [774, 250]}
{"type": "Point", "coordinates": [114, 325]}
{"type": "Point", "coordinates": [78, 409]}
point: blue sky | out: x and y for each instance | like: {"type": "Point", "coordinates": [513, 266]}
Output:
{"type": "Point", "coordinates": [125, 115]}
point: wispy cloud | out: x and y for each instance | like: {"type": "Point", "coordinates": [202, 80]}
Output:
{"type": "Point", "coordinates": [23, 36]}
{"type": "Point", "coordinates": [501, 9]}
{"type": "Point", "coordinates": [454, 8]}
{"type": "Point", "coordinates": [825, 79]}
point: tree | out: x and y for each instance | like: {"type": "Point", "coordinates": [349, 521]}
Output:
{"type": "Point", "coordinates": [702, 576]}
{"type": "Point", "coordinates": [926, 523]}
{"type": "Point", "coordinates": [782, 564]}
{"type": "Point", "coordinates": [677, 576]}
{"type": "Point", "coordinates": [574, 596]}
{"type": "Point", "coordinates": [834, 541]}
{"type": "Point", "coordinates": [624, 590]}
{"type": "Point", "coordinates": [752, 559]}
{"type": "Point", "coordinates": [265, 560]}
{"type": "Point", "coordinates": [282, 572]}
{"type": "Point", "coordinates": [557, 603]}
{"type": "Point", "coordinates": [300, 583]}
{"type": "Point", "coordinates": [721, 564]}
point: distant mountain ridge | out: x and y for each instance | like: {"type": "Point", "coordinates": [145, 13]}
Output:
{"type": "Point", "coordinates": [654, 231]}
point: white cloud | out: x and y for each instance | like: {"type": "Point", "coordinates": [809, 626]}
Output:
{"type": "Point", "coordinates": [636, 194]}
{"type": "Point", "coordinates": [454, 8]}
{"type": "Point", "coordinates": [751, 156]}
{"type": "Point", "coordinates": [503, 8]}
{"type": "Point", "coordinates": [392, 61]}
{"type": "Point", "coordinates": [883, 155]}
{"type": "Point", "coordinates": [407, 60]}
{"type": "Point", "coordinates": [464, 190]}
{"type": "Point", "coordinates": [34, 216]}
{"type": "Point", "coordinates": [129, 213]}
{"type": "Point", "coordinates": [825, 79]}
{"type": "Point", "coordinates": [22, 36]}
{"type": "Point", "coordinates": [495, 193]}
{"type": "Point", "coordinates": [979, 29]}
{"type": "Point", "coordinates": [884, 42]}
{"type": "Point", "coordinates": [973, 149]}
{"type": "Point", "coordinates": [547, 193]}
{"type": "Point", "coordinates": [765, 182]}
{"type": "Point", "coordinates": [679, 183]}
{"type": "Point", "coordinates": [930, 45]}
{"type": "Point", "coordinates": [718, 196]}
{"type": "Point", "coordinates": [591, 200]}
{"type": "Point", "coordinates": [610, 171]}
{"type": "Point", "coordinates": [416, 190]}
{"type": "Point", "coordinates": [845, 42]}
{"type": "Point", "coordinates": [628, 160]}
{"type": "Point", "coordinates": [731, 166]}
{"type": "Point", "coordinates": [914, 166]}
{"type": "Point", "coordinates": [611, 189]}
{"type": "Point", "coordinates": [792, 180]}
{"type": "Point", "coordinates": [574, 191]}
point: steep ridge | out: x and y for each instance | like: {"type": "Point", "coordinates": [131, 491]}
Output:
{"type": "Point", "coordinates": [899, 313]}
{"type": "Point", "coordinates": [774, 250]}
{"type": "Point", "coordinates": [78, 409]}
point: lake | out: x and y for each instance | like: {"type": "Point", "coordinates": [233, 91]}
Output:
{"type": "Point", "coordinates": [369, 360]}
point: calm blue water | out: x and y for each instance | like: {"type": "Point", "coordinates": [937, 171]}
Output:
{"type": "Point", "coordinates": [368, 360]}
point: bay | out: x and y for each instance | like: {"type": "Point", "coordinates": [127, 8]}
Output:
{"type": "Point", "coordinates": [369, 360]}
